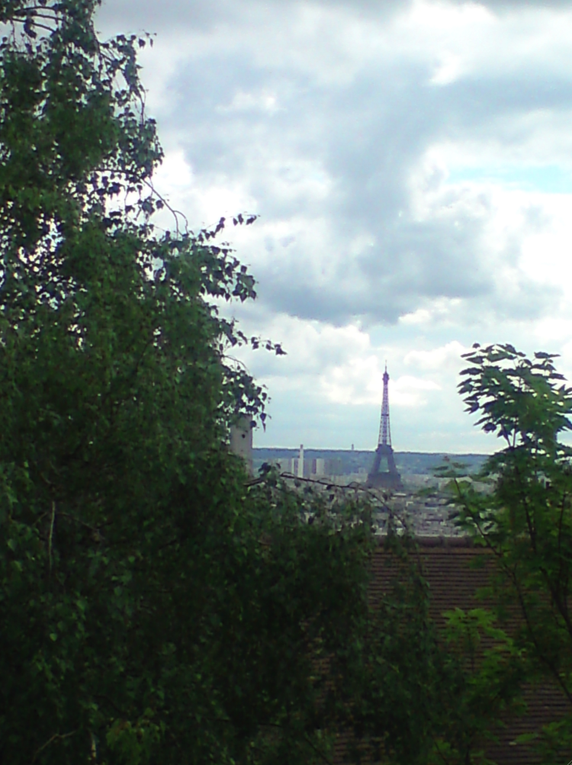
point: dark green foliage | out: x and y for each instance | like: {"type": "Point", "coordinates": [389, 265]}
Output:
{"type": "Point", "coordinates": [153, 607]}
{"type": "Point", "coordinates": [426, 694]}
{"type": "Point", "coordinates": [526, 520]}
{"type": "Point", "coordinates": [394, 701]}
{"type": "Point", "coordinates": [156, 605]}
{"type": "Point", "coordinates": [481, 682]}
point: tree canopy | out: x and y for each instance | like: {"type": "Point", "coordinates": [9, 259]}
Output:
{"type": "Point", "coordinates": [154, 607]}
{"type": "Point", "coordinates": [157, 605]}
{"type": "Point", "coordinates": [525, 520]}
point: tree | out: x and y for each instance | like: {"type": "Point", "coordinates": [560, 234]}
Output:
{"type": "Point", "coordinates": [526, 519]}
{"type": "Point", "coordinates": [424, 693]}
{"type": "Point", "coordinates": [460, 680]}
{"type": "Point", "coordinates": [155, 606]}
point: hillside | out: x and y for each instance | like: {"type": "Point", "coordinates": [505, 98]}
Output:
{"type": "Point", "coordinates": [359, 461]}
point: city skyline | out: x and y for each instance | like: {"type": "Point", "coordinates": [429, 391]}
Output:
{"type": "Point", "coordinates": [411, 166]}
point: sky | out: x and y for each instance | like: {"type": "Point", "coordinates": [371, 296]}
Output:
{"type": "Point", "coordinates": [411, 166]}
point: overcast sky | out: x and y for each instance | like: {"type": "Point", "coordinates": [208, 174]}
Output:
{"type": "Point", "coordinates": [411, 163]}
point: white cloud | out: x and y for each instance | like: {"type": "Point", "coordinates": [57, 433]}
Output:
{"type": "Point", "coordinates": [404, 159]}
{"type": "Point", "coordinates": [409, 391]}
{"type": "Point", "coordinates": [445, 359]}
{"type": "Point", "coordinates": [244, 101]}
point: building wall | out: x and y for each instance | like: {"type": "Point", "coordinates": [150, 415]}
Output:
{"type": "Point", "coordinates": [241, 440]}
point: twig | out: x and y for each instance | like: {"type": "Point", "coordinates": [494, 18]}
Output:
{"type": "Point", "coordinates": [175, 213]}
{"type": "Point", "coordinates": [318, 751]}
{"type": "Point", "coordinates": [55, 737]}
{"type": "Point", "coordinates": [51, 536]}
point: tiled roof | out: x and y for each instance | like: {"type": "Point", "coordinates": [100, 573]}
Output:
{"type": "Point", "coordinates": [454, 580]}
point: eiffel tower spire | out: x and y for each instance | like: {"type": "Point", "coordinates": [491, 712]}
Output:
{"type": "Point", "coordinates": [388, 477]}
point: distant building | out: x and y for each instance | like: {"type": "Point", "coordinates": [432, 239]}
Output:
{"type": "Point", "coordinates": [241, 440]}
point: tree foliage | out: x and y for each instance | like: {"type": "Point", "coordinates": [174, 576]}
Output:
{"type": "Point", "coordinates": [154, 608]}
{"type": "Point", "coordinates": [526, 519]}
{"type": "Point", "coordinates": [156, 605]}
{"type": "Point", "coordinates": [428, 694]}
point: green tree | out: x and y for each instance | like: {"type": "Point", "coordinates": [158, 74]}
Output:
{"type": "Point", "coordinates": [526, 518]}
{"type": "Point", "coordinates": [394, 699]}
{"type": "Point", "coordinates": [426, 694]}
{"type": "Point", "coordinates": [154, 606]}
{"type": "Point", "coordinates": [479, 684]}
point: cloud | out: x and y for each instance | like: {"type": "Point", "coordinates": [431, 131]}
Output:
{"type": "Point", "coordinates": [346, 365]}
{"type": "Point", "coordinates": [206, 14]}
{"type": "Point", "coordinates": [525, 5]}
{"type": "Point", "coordinates": [355, 220]}
{"type": "Point", "coordinates": [330, 385]}
{"type": "Point", "coordinates": [447, 358]}
{"type": "Point", "coordinates": [410, 162]}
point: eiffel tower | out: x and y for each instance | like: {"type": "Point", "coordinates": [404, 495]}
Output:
{"type": "Point", "coordinates": [384, 473]}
